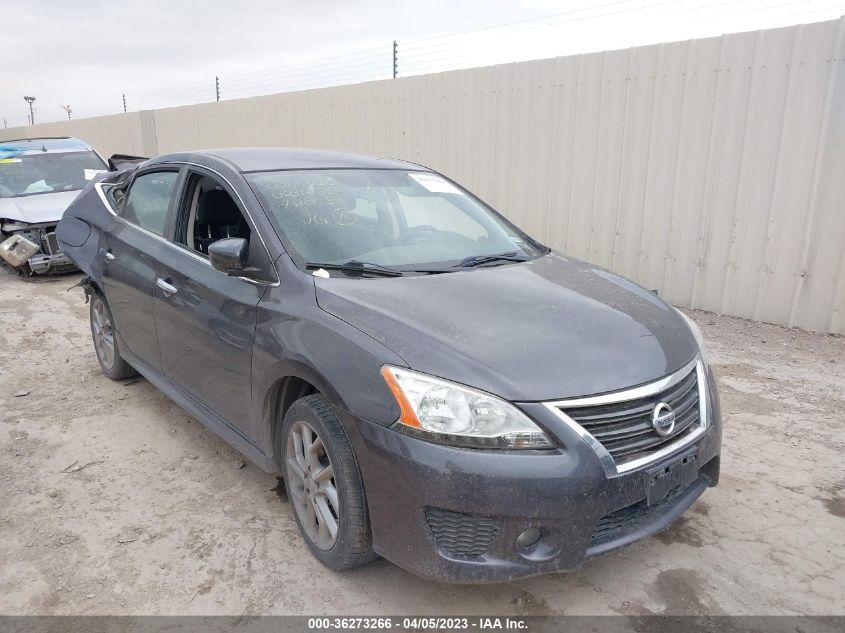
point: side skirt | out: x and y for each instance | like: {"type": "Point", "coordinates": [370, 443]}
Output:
{"type": "Point", "coordinates": [197, 409]}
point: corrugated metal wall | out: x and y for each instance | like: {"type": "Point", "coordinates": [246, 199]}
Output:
{"type": "Point", "coordinates": [712, 170]}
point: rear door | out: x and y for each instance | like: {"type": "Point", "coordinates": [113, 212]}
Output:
{"type": "Point", "coordinates": [205, 319]}
{"type": "Point", "coordinates": [130, 250]}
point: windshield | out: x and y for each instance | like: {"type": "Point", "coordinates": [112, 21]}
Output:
{"type": "Point", "coordinates": [404, 220]}
{"type": "Point", "coordinates": [46, 172]}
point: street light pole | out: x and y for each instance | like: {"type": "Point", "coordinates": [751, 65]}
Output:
{"type": "Point", "coordinates": [29, 100]}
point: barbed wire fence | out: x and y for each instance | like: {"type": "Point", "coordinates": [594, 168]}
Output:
{"type": "Point", "coordinates": [477, 47]}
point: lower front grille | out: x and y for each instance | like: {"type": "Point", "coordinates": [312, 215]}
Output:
{"type": "Point", "coordinates": [459, 534]}
{"type": "Point", "coordinates": [621, 522]}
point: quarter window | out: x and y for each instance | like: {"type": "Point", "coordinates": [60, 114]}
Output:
{"type": "Point", "coordinates": [148, 200]}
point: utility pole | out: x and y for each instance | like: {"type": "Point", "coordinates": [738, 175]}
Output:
{"type": "Point", "coordinates": [29, 100]}
{"type": "Point", "coordinates": [395, 59]}
{"type": "Point", "coordinates": [217, 86]}
{"type": "Point", "coordinates": [66, 108]}
{"type": "Point", "coordinates": [124, 104]}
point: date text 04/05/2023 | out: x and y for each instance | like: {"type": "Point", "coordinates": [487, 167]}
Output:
{"type": "Point", "coordinates": [417, 623]}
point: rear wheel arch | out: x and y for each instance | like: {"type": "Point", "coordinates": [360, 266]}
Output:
{"type": "Point", "coordinates": [95, 287]}
{"type": "Point", "coordinates": [104, 336]}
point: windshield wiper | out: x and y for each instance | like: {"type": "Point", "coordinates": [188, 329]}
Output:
{"type": "Point", "coordinates": [352, 267]}
{"type": "Point", "coordinates": [477, 260]}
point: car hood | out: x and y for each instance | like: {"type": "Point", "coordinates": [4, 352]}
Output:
{"type": "Point", "coordinates": [547, 329]}
{"type": "Point", "coordinates": [37, 208]}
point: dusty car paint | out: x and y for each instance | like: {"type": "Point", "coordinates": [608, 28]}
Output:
{"type": "Point", "coordinates": [579, 329]}
{"type": "Point", "coordinates": [234, 352]}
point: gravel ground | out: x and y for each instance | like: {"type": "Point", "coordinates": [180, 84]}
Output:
{"type": "Point", "coordinates": [115, 501]}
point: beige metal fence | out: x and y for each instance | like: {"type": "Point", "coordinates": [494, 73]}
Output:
{"type": "Point", "coordinates": [712, 170]}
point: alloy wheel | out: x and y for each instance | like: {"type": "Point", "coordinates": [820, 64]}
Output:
{"type": "Point", "coordinates": [311, 484]}
{"type": "Point", "coordinates": [101, 328]}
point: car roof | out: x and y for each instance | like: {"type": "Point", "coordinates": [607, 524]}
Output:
{"type": "Point", "coordinates": [247, 159]}
{"type": "Point", "coordinates": [43, 144]}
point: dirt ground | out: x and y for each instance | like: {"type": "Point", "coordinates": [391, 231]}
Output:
{"type": "Point", "coordinates": [114, 501]}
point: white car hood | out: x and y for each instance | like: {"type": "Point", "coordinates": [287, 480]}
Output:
{"type": "Point", "coordinates": [37, 208]}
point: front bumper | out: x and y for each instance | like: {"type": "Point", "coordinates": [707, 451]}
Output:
{"type": "Point", "coordinates": [49, 257]}
{"type": "Point", "coordinates": [421, 495]}
{"type": "Point", "coordinates": [42, 264]}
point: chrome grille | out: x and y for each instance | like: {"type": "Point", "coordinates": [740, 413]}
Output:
{"type": "Point", "coordinates": [625, 428]}
{"type": "Point", "coordinates": [618, 426]}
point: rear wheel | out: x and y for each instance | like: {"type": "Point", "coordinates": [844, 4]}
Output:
{"type": "Point", "coordinates": [324, 485]}
{"type": "Point", "coordinates": [105, 341]}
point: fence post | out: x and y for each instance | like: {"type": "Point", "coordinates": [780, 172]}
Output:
{"type": "Point", "coordinates": [395, 59]}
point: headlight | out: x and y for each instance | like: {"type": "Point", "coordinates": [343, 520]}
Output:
{"type": "Point", "coordinates": [447, 413]}
{"type": "Point", "coordinates": [696, 332]}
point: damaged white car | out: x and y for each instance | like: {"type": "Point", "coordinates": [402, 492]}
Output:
{"type": "Point", "coordinates": [39, 178]}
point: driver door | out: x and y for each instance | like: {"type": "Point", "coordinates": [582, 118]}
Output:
{"type": "Point", "coordinates": [205, 319]}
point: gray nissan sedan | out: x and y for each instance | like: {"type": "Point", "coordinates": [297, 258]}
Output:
{"type": "Point", "coordinates": [435, 386]}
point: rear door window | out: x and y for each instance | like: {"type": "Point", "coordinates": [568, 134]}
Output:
{"type": "Point", "coordinates": [149, 199]}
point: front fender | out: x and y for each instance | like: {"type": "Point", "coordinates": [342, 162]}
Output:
{"type": "Point", "coordinates": [295, 338]}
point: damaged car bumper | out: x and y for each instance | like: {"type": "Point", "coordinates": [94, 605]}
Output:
{"type": "Point", "coordinates": [35, 246]}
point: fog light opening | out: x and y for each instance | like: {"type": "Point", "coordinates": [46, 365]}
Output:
{"type": "Point", "coordinates": [528, 538]}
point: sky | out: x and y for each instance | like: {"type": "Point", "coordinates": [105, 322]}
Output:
{"type": "Point", "coordinates": [86, 54]}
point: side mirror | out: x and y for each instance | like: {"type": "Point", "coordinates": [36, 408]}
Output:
{"type": "Point", "coordinates": [230, 256]}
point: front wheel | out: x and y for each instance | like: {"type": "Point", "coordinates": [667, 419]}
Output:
{"type": "Point", "coordinates": [105, 341]}
{"type": "Point", "coordinates": [324, 485]}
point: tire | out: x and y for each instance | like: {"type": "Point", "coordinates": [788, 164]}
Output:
{"type": "Point", "coordinates": [351, 544]}
{"type": "Point", "coordinates": [105, 342]}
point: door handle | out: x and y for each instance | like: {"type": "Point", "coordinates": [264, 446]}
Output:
{"type": "Point", "coordinates": [166, 288]}
{"type": "Point", "coordinates": [107, 255]}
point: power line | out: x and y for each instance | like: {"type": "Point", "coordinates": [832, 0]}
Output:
{"type": "Point", "coordinates": [195, 84]}
{"type": "Point", "coordinates": [304, 83]}
{"type": "Point", "coordinates": [299, 70]}
{"type": "Point", "coordinates": [496, 26]}
{"type": "Point", "coordinates": [521, 28]}
{"type": "Point", "coordinates": [322, 61]}
{"type": "Point", "coordinates": [766, 7]}
{"type": "Point", "coordinates": [448, 50]}
{"type": "Point", "coordinates": [257, 79]}
{"type": "Point", "coordinates": [709, 6]}
{"type": "Point", "coordinates": [204, 86]}
{"type": "Point", "coordinates": [306, 71]}
{"type": "Point", "coordinates": [441, 52]}
{"type": "Point", "coordinates": [836, 11]}
{"type": "Point", "coordinates": [454, 45]}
